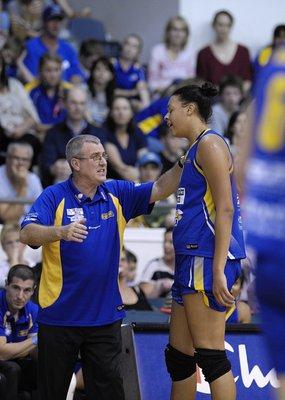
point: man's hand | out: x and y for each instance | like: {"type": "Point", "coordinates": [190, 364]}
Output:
{"type": "Point", "coordinates": [74, 232]}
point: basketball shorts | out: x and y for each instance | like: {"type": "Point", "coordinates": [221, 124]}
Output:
{"type": "Point", "coordinates": [194, 274]}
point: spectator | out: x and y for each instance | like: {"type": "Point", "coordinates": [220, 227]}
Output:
{"type": "Point", "coordinates": [47, 92]}
{"type": "Point", "coordinates": [235, 132]}
{"type": "Point", "coordinates": [18, 116]}
{"type": "Point", "coordinates": [10, 242]}
{"type": "Point", "coordinates": [132, 269]}
{"type": "Point", "coordinates": [133, 297]}
{"type": "Point", "coordinates": [264, 55]}
{"type": "Point", "coordinates": [90, 50]}
{"type": "Point", "coordinates": [49, 42]}
{"type": "Point", "coordinates": [13, 53]}
{"type": "Point", "coordinates": [231, 94]}
{"type": "Point", "coordinates": [17, 181]}
{"type": "Point", "coordinates": [4, 25]}
{"type": "Point", "coordinates": [101, 84]}
{"type": "Point", "coordinates": [125, 142]}
{"type": "Point", "coordinates": [223, 56]}
{"type": "Point", "coordinates": [149, 167]}
{"type": "Point", "coordinates": [172, 59]}
{"type": "Point", "coordinates": [130, 76]}
{"type": "Point", "coordinates": [26, 21]}
{"type": "Point", "coordinates": [54, 165]}
{"type": "Point", "coordinates": [158, 275]}
{"type": "Point", "coordinates": [172, 149]}
{"type": "Point", "coordinates": [18, 332]}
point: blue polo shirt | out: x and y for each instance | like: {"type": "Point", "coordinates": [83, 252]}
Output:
{"type": "Point", "coordinates": [79, 282]}
{"type": "Point", "coordinates": [17, 331]}
{"type": "Point", "coordinates": [36, 49]}
{"type": "Point", "coordinates": [50, 109]}
{"type": "Point", "coordinates": [128, 79]}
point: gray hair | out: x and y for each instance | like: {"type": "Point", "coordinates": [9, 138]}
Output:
{"type": "Point", "coordinates": [15, 145]}
{"type": "Point", "coordinates": [74, 146]}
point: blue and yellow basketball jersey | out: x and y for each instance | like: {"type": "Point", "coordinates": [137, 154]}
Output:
{"type": "Point", "coordinates": [265, 202]}
{"type": "Point", "coordinates": [194, 231]}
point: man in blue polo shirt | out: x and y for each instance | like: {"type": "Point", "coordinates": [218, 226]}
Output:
{"type": "Point", "coordinates": [18, 332]}
{"type": "Point", "coordinates": [80, 223]}
{"type": "Point", "coordinates": [49, 42]}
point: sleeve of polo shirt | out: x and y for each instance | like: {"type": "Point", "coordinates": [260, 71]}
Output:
{"type": "Point", "coordinates": [134, 198]}
{"type": "Point", "coordinates": [34, 314]}
{"type": "Point", "coordinates": [43, 210]}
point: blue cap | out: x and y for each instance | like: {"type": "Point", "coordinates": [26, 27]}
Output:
{"type": "Point", "coordinates": [52, 12]}
{"type": "Point", "coordinates": [149, 158]}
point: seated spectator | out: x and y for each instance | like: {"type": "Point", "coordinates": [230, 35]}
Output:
{"type": "Point", "coordinates": [173, 148]}
{"type": "Point", "coordinates": [13, 53]}
{"type": "Point", "coordinates": [132, 269]}
{"type": "Point", "coordinates": [264, 55]}
{"type": "Point", "coordinates": [49, 42]}
{"type": "Point", "coordinates": [10, 242]}
{"type": "Point", "coordinates": [133, 297]}
{"type": "Point", "coordinates": [17, 181]}
{"type": "Point", "coordinates": [55, 168]}
{"type": "Point", "coordinates": [231, 94]}
{"type": "Point", "coordinates": [235, 132]}
{"type": "Point", "coordinates": [18, 333]}
{"type": "Point", "coordinates": [172, 59]}
{"type": "Point", "coordinates": [223, 56]}
{"type": "Point", "coordinates": [149, 167]}
{"type": "Point", "coordinates": [101, 85]}
{"type": "Point", "coordinates": [242, 313]}
{"type": "Point", "coordinates": [26, 21]}
{"type": "Point", "coordinates": [158, 276]}
{"type": "Point", "coordinates": [130, 76]}
{"type": "Point", "coordinates": [47, 92]}
{"type": "Point", "coordinates": [18, 116]}
{"type": "Point", "coordinates": [90, 50]}
{"type": "Point", "coordinates": [4, 25]}
{"type": "Point", "coordinates": [125, 142]}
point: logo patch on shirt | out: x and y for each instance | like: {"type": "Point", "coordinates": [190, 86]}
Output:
{"type": "Point", "coordinates": [180, 195]}
{"type": "Point", "coordinates": [178, 216]}
{"type": "Point", "coordinates": [120, 307]}
{"type": "Point", "coordinates": [74, 214]}
{"type": "Point", "coordinates": [107, 215]}
{"type": "Point", "coordinates": [23, 333]}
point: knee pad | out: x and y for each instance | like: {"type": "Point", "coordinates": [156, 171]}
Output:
{"type": "Point", "coordinates": [214, 363]}
{"type": "Point", "coordinates": [180, 366]}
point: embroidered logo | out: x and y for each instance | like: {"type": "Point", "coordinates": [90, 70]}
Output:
{"type": "Point", "coordinates": [107, 215]}
{"type": "Point", "coordinates": [74, 214]}
{"type": "Point", "coordinates": [180, 195]}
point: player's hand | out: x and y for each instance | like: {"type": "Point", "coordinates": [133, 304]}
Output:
{"type": "Point", "coordinates": [220, 290]}
{"type": "Point", "coordinates": [74, 232]}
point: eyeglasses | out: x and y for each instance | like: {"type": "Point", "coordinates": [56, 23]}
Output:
{"type": "Point", "coordinates": [20, 159]}
{"type": "Point", "coordinates": [97, 157]}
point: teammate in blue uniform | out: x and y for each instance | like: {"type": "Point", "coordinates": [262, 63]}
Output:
{"type": "Point", "coordinates": [265, 204]}
{"type": "Point", "coordinates": [208, 244]}
{"type": "Point", "coordinates": [80, 224]}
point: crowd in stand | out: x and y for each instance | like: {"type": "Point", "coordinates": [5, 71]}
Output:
{"type": "Point", "coordinates": [51, 91]}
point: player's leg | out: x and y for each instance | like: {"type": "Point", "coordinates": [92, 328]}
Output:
{"type": "Point", "coordinates": [207, 327]}
{"type": "Point", "coordinates": [179, 356]}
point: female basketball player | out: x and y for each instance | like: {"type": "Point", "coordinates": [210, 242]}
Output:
{"type": "Point", "coordinates": [209, 244]}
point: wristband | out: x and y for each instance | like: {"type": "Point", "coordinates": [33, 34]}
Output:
{"type": "Point", "coordinates": [35, 339]}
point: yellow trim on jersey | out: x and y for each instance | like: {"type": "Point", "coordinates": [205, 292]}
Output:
{"type": "Point", "coordinates": [51, 279]}
{"type": "Point", "coordinates": [209, 203]}
{"type": "Point", "coordinates": [150, 123]}
{"type": "Point", "coordinates": [121, 222]}
{"type": "Point", "coordinates": [264, 56]}
{"type": "Point", "coordinates": [36, 82]}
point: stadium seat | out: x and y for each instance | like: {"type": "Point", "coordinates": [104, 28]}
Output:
{"type": "Point", "coordinates": [87, 28]}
